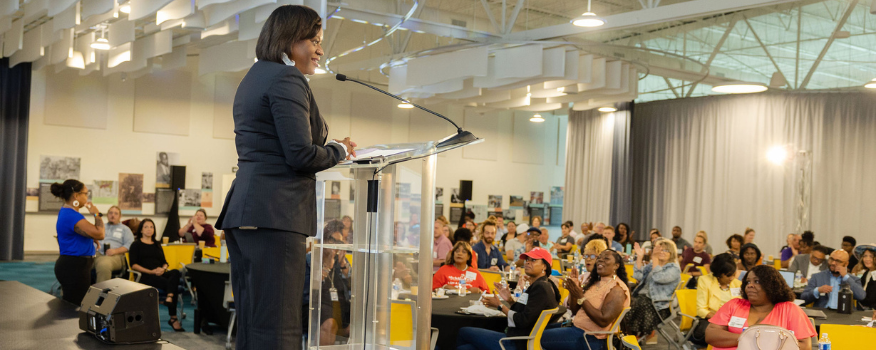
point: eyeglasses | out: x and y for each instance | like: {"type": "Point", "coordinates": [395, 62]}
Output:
{"type": "Point", "coordinates": [832, 260]}
{"type": "Point", "coordinates": [591, 256]}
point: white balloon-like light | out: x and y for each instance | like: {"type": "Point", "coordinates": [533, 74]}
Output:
{"type": "Point", "coordinates": [607, 109]}
{"type": "Point", "coordinates": [778, 155]}
{"type": "Point", "coordinates": [739, 88]}
{"type": "Point", "coordinates": [537, 119]}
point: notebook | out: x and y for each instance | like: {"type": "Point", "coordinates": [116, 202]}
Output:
{"type": "Point", "coordinates": [816, 314]}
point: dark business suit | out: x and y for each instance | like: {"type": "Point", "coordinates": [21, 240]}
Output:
{"type": "Point", "coordinates": [271, 207]}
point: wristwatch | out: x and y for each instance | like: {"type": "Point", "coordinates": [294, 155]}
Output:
{"type": "Point", "coordinates": [581, 301]}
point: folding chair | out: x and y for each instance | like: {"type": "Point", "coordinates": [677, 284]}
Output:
{"type": "Point", "coordinates": [490, 277]}
{"type": "Point", "coordinates": [631, 342]}
{"type": "Point", "coordinates": [668, 329]}
{"type": "Point", "coordinates": [534, 338]}
{"type": "Point", "coordinates": [611, 332]}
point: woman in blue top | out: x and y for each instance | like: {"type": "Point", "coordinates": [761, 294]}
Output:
{"type": "Point", "coordinates": [657, 282]}
{"type": "Point", "coordinates": [76, 238]}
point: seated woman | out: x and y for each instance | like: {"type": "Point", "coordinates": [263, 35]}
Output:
{"type": "Point", "coordinates": [657, 281]}
{"type": "Point", "coordinates": [714, 290]}
{"type": "Point", "coordinates": [147, 257]}
{"type": "Point", "coordinates": [591, 251]}
{"type": "Point", "coordinates": [523, 312]}
{"type": "Point", "coordinates": [749, 258]}
{"type": "Point", "coordinates": [734, 243]}
{"type": "Point", "coordinates": [458, 265]}
{"type": "Point", "coordinates": [334, 276]}
{"type": "Point", "coordinates": [866, 271]}
{"type": "Point", "coordinates": [596, 305]}
{"type": "Point", "coordinates": [200, 229]}
{"type": "Point", "coordinates": [766, 299]}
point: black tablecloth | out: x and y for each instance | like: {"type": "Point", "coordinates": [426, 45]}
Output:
{"type": "Point", "coordinates": [448, 322]}
{"type": "Point", "coordinates": [209, 282]}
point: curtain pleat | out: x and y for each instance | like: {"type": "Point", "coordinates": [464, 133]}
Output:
{"type": "Point", "coordinates": [14, 109]}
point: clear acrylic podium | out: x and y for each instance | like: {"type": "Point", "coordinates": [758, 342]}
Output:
{"type": "Point", "coordinates": [384, 300]}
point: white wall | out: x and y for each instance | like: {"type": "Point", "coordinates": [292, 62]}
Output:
{"type": "Point", "coordinates": [112, 146]}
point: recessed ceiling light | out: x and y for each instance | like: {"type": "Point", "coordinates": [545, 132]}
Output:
{"type": "Point", "coordinates": [739, 88]}
{"type": "Point", "coordinates": [405, 105]}
{"type": "Point", "coordinates": [871, 84]}
{"type": "Point", "coordinates": [607, 109]}
{"type": "Point", "coordinates": [125, 9]}
{"type": "Point", "coordinates": [100, 44]}
{"type": "Point", "coordinates": [536, 119]}
{"type": "Point", "coordinates": [588, 19]}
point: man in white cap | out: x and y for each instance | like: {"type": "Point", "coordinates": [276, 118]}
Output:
{"type": "Point", "coordinates": [515, 247]}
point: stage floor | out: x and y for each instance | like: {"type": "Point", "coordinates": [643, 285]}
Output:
{"type": "Point", "coordinates": [32, 319]}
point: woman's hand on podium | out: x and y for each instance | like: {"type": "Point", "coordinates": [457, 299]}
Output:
{"type": "Point", "coordinates": [351, 147]}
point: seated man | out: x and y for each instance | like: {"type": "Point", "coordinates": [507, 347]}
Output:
{"type": "Point", "coordinates": [810, 264]}
{"type": "Point", "coordinates": [488, 255]}
{"type": "Point", "coordinates": [823, 288]}
{"type": "Point", "coordinates": [119, 237]}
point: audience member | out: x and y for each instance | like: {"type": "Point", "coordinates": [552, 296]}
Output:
{"type": "Point", "coordinates": [809, 264]}
{"type": "Point", "coordinates": [523, 313]}
{"type": "Point", "coordinates": [335, 230]}
{"type": "Point", "coordinates": [511, 226]}
{"type": "Point", "coordinates": [714, 290]}
{"type": "Point", "coordinates": [657, 281]}
{"type": "Point", "coordinates": [446, 232]}
{"type": "Point", "coordinates": [590, 252]}
{"type": "Point", "coordinates": [766, 299]}
{"type": "Point", "coordinates": [441, 245]}
{"type": "Point", "coordinates": [608, 233]}
{"type": "Point", "coordinates": [119, 237]}
{"type": "Point", "coordinates": [463, 234]}
{"type": "Point", "coordinates": [75, 239]}
{"type": "Point", "coordinates": [544, 240]}
{"type": "Point", "coordinates": [624, 236]}
{"type": "Point", "coordinates": [532, 235]}
{"type": "Point", "coordinates": [200, 229]}
{"type": "Point", "coordinates": [536, 221]}
{"type": "Point", "coordinates": [566, 242]}
{"type": "Point", "coordinates": [592, 231]}
{"type": "Point", "coordinates": [347, 233]}
{"type": "Point", "coordinates": [680, 242]}
{"type": "Point", "coordinates": [147, 257]}
{"type": "Point", "coordinates": [791, 250]}
{"type": "Point", "coordinates": [586, 228]}
{"type": "Point", "coordinates": [335, 272]}
{"type": "Point", "coordinates": [750, 255]}
{"type": "Point", "coordinates": [501, 230]}
{"type": "Point", "coordinates": [866, 271]}
{"type": "Point", "coordinates": [595, 305]}
{"type": "Point", "coordinates": [748, 236]}
{"type": "Point", "coordinates": [823, 288]}
{"type": "Point", "coordinates": [488, 254]}
{"type": "Point", "coordinates": [696, 256]}
{"type": "Point", "coordinates": [734, 243]}
{"type": "Point", "coordinates": [458, 265]}
{"type": "Point", "coordinates": [653, 235]}
{"type": "Point", "coordinates": [515, 247]}
{"type": "Point", "coordinates": [705, 236]}
{"type": "Point", "coordinates": [848, 245]}
{"type": "Point", "coordinates": [805, 247]}
{"type": "Point", "coordinates": [572, 232]}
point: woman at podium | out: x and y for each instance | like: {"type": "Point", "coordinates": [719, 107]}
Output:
{"type": "Point", "coordinates": [271, 206]}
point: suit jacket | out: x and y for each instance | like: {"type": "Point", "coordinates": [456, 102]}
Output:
{"type": "Point", "coordinates": [801, 263]}
{"type": "Point", "coordinates": [280, 138]}
{"type": "Point", "coordinates": [811, 294]}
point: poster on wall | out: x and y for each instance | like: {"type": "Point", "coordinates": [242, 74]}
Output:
{"type": "Point", "coordinates": [336, 189]}
{"type": "Point", "coordinates": [48, 201]}
{"type": "Point", "coordinates": [33, 194]}
{"type": "Point", "coordinates": [206, 198]}
{"type": "Point", "coordinates": [148, 197]}
{"type": "Point", "coordinates": [163, 200]}
{"type": "Point", "coordinates": [480, 212]}
{"type": "Point", "coordinates": [557, 193]}
{"type": "Point", "coordinates": [454, 196]}
{"type": "Point", "coordinates": [494, 201]}
{"type": "Point", "coordinates": [439, 209]}
{"type": "Point", "coordinates": [163, 161]}
{"type": "Point", "coordinates": [131, 193]}
{"type": "Point", "coordinates": [58, 169]}
{"type": "Point", "coordinates": [516, 201]}
{"type": "Point", "coordinates": [536, 197]}
{"type": "Point", "coordinates": [439, 194]}
{"type": "Point", "coordinates": [509, 215]}
{"type": "Point", "coordinates": [455, 214]}
{"type": "Point", "coordinates": [105, 192]}
{"type": "Point", "coordinates": [206, 181]}
{"type": "Point", "coordinates": [189, 199]}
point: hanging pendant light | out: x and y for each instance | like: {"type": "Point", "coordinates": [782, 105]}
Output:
{"type": "Point", "coordinates": [607, 109]}
{"type": "Point", "coordinates": [537, 119]}
{"type": "Point", "coordinates": [588, 19]}
{"type": "Point", "coordinates": [101, 43]}
{"type": "Point", "coordinates": [872, 83]}
{"type": "Point", "coordinates": [740, 88]}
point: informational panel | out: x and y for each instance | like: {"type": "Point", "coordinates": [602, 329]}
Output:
{"type": "Point", "coordinates": [73, 100]}
{"type": "Point", "coordinates": [162, 102]}
{"type": "Point", "coordinates": [528, 143]}
{"type": "Point", "coordinates": [48, 202]}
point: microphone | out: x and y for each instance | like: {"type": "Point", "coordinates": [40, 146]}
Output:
{"type": "Point", "coordinates": [461, 136]}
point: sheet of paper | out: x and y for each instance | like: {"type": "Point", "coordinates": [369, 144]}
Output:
{"type": "Point", "coordinates": [368, 153]}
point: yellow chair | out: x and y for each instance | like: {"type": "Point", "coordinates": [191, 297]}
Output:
{"type": "Point", "coordinates": [563, 291]}
{"type": "Point", "coordinates": [849, 337]}
{"type": "Point", "coordinates": [212, 252]}
{"type": "Point", "coordinates": [555, 264]}
{"type": "Point", "coordinates": [703, 270]}
{"type": "Point", "coordinates": [534, 338]}
{"type": "Point", "coordinates": [684, 278]}
{"type": "Point", "coordinates": [687, 268]}
{"type": "Point", "coordinates": [178, 255]}
{"type": "Point", "coordinates": [687, 304]}
{"type": "Point", "coordinates": [131, 271]}
{"type": "Point", "coordinates": [630, 271]}
{"type": "Point", "coordinates": [631, 342]}
{"type": "Point", "coordinates": [710, 347]}
{"type": "Point", "coordinates": [612, 331]}
{"type": "Point", "coordinates": [491, 277]}
{"type": "Point", "coordinates": [349, 259]}
{"type": "Point", "coordinates": [402, 323]}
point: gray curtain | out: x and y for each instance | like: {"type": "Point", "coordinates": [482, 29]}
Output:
{"type": "Point", "coordinates": [701, 163]}
{"type": "Point", "coordinates": [621, 166]}
{"type": "Point", "coordinates": [14, 109]}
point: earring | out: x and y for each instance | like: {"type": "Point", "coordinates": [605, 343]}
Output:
{"type": "Point", "coordinates": [76, 203]}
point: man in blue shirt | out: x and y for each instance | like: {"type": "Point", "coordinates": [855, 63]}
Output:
{"type": "Point", "coordinates": [823, 288]}
{"type": "Point", "coordinates": [119, 237]}
{"type": "Point", "coordinates": [489, 256]}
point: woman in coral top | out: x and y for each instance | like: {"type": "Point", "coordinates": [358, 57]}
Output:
{"type": "Point", "coordinates": [766, 299]}
{"type": "Point", "coordinates": [458, 264]}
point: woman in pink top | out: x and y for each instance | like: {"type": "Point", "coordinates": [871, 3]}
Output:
{"type": "Point", "coordinates": [596, 305]}
{"type": "Point", "coordinates": [766, 299]}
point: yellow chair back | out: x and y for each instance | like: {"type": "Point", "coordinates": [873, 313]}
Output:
{"type": "Point", "coordinates": [703, 270]}
{"type": "Point", "coordinates": [563, 291]}
{"type": "Point", "coordinates": [555, 264]}
{"type": "Point", "coordinates": [401, 332]}
{"type": "Point", "coordinates": [849, 337]}
{"type": "Point", "coordinates": [349, 259]}
{"type": "Point", "coordinates": [538, 329]}
{"type": "Point", "coordinates": [631, 342]}
{"type": "Point", "coordinates": [684, 278]}
{"type": "Point", "coordinates": [130, 270]}
{"type": "Point", "coordinates": [213, 252]}
{"type": "Point", "coordinates": [687, 304]}
{"type": "Point", "coordinates": [491, 277]}
{"type": "Point", "coordinates": [630, 272]}
{"type": "Point", "coordinates": [178, 253]}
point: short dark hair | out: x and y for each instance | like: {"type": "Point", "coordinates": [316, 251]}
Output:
{"type": "Point", "coordinates": [808, 236]}
{"type": "Point", "coordinates": [772, 283]}
{"type": "Point", "coordinates": [66, 189]}
{"type": "Point", "coordinates": [287, 25]}
{"type": "Point", "coordinates": [742, 253]}
{"type": "Point", "coordinates": [462, 234]}
{"type": "Point", "coordinates": [723, 265]}
{"type": "Point", "coordinates": [851, 240]}
{"type": "Point", "coordinates": [331, 227]}
{"type": "Point", "coordinates": [822, 249]}
{"type": "Point", "coordinates": [737, 237]}
{"type": "Point", "coordinates": [139, 233]}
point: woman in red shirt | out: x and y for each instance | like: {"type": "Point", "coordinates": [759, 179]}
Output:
{"type": "Point", "coordinates": [766, 299]}
{"type": "Point", "coordinates": [458, 264]}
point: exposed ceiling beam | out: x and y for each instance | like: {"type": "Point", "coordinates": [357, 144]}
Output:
{"type": "Point", "coordinates": [490, 16]}
{"type": "Point", "coordinates": [415, 24]}
{"type": "Point", "coordinates": [839, 25]}
{"type": "Point", "coordinates": [716, 50]}
{"type": "Point", "coordinates": [513, 20]}
{"type": "Point", "coordinates": [753, 32]}
{"type": "Point", "coordinates": [639, 18]}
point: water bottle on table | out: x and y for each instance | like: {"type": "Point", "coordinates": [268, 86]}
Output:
{"type": "Point", "coordinates": [461, 286]}
{"type": "Point", "coordinates": [824, 342]}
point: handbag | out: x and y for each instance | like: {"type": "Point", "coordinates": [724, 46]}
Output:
{"type": "Point", "coordinates": [767, 337]}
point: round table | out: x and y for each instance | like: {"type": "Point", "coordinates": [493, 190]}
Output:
{"type": "Point", "coordinates": [834, 317]}
{"type": "Point", "coordinates": [209, 282]}
{"type": "Point", "coordinates": [448, 321]}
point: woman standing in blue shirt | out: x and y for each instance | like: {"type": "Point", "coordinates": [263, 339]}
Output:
{"type": "Point", "coordinates": [76, 238]}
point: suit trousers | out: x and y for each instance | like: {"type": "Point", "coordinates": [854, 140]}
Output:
{"type": "Point", "coordinates": [267, 277]}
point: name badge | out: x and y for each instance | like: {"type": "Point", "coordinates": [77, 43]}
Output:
{"type": "Point", "coordinates": [524, 298]}
{"type": "Point", "coordinates": [334, 294]}
{"type": "Point", "coordinates": [680, 250]}
{"type": "Point", "coordinates": [434, 255]}
{"type": "Point", "coordinates": [697, 259]}
{"type": "Point", "coordinates": [470, 276]}
{"type": "Point", "coordinates": [736, 322]}
{"type": "Point", "coordinates": [735, 292]}
{"type": "Point", "coordinates": [493, 261]}
{"type": "Point", "coordinates": [873, 275]}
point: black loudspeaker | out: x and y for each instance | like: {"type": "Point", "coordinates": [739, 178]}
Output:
{"type": "Point", "coordinates": [465, 190]}
{"type": "Point", "coordinates": [177, 177]}
{"type": "Point", "coordinates": [122, 312]}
